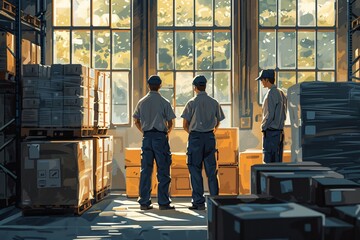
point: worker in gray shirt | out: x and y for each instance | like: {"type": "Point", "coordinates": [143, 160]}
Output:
{"type": "Point", "coordinates": [202, 116]}
{"type": "Point", "coordinates": [154, 117]}
{"type": "Point", "coordinates": [273, 118]}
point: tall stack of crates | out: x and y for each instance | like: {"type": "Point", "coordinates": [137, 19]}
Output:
{"type": "Point", "coordinates": [227, 144]}
{"type": "Point", "coordinates": [102, 105]}
{"type": "Point", "coordinates": [58, 108]}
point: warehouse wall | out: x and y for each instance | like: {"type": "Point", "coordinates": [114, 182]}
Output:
{"type": "Point", "coordinates": [248, 116]}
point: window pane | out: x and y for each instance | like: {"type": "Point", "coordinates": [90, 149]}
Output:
{"type": "Point", "coordinates": [184, 13]}
{"type": "Point", "coordinates": [306, 77]}
{"type": "Point", "coordinates": [286, 80]}
{"type": "Point", "coordinates": [184, 89]}
{"type": "Point", "coordinates": [287, 13]}
{"type": "Point", "coordinates": [167, 79]}
{"type": "Point", "coordinates": [209, 85]}
{"type": "Point", "coordinates": [306, 13]}
{"type": "Point", "coordinates": [121, 53]}
{"type": "Point", "coordinates": [62, 12]}
{"type": "Point", "coordinates": [223, 13]}
{"type": "Point", "coordinates": [227, 121]}
{"type": "Point", "coordinates": [120, 98]}
{"type": "Point", "coordinates": [100, 13]}
{"type": "Point", "coordinates": [326, 50]}
{"type": "Point", "coordinates": [203, 50]}
{"type": "Point", "coordinates": [179, 120]}
{"type": "Point", "coordinates": [286, 50]}
{"type": "Point", "coordinates": [62, 47]}
{"type": "Point", "coordinates": [306, 50]}
{"type": "Point", "coordinates": [165, 14]}
{"type": "Point", "coordinates": [184, 50]}
{"type": "Point", "coordinates": [81, 47]}
{"type": "Point", "coordinates": [222, 87]}
{"type": "Point", "coordinates": [81, 12]}
{"type": "Point", "coordinates": [101, 55]}
{"type": "Point", "coordinates": [168, 93]}
{"type": "Point", "coordinates": [120, 14]}
{"type": "Point", "coordinates": [222, 50]}
{"type": "Point", "coordinates": [326, 76]}
{"type": "Point", "coordinates": [204, 12]}
{"type": "Point", "coordinates": [165, 51]}
{"type": "Point", "coordinates": [326, 13]}
{"type": "Point", "coordinates": [267, 50]}
{"type": "Point", "coordinates": [267, 13]}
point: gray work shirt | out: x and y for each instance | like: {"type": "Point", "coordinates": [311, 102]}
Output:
{"type": "Point", "coordinates": [202, 112]}
{"type": "Point", "coordinates": [274, 110]}
{"type": "Point", "coordinates": [154, 111]}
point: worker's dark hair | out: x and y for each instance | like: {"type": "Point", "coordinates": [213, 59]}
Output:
{"type": "Point", "coordinates": [154, 87]}
{"type": "Point", "coordinates": [201, 88]}
{"type": "Point", "coordinates": [271, 80]}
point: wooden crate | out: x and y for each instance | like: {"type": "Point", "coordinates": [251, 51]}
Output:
{"type": "Point", "coordinates": [227, 143]}
{"type": "Point", "coordinates": [228, 180]}
{"type": "Point", "coordinates": [180, 183]}
{"type": "Point", "coordinates": [133, 181]}
{"type": "Point", "coordinates": [132, 157]}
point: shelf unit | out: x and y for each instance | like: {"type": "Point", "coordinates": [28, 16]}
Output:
{"type": "Point", "coordinates": [15, 21]}
{"type": "Point", "coordinates": [353, 27]}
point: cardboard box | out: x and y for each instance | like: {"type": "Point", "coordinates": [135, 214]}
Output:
{"type": "Point", "coordinates": [56, 70]}
{"type": "Point", "coordinates": [7, 47]}
{"type": "Point", "coordinates": [30, 118]}
{"type": "Point", "coordinates": [45, 117]}
{"type": "Point", "coordinates": [133, 181]}
{"type": "Point", "coordinates": [31, 103]}
{"type": "Point", "coordinates": [179, 160]}
{"type": "Point", "coordinates": [281, 167]}
{"type": "Point", "coordinates": [57, 118]}
{"type": "Point", "coordinates": [33, 70]}
{"type": "Point", "coordinates": [132, 157]}
{"type": "Point", "coordinates": [334, 192]}
{"type": "Point", "coordinates": [76, 117]}
{"type": "Point", "coordinates": [270, 221]}
{"type": "Point", "coordinates": [215, 218]}
{"type": "Point", "coordinates": [228, 180]}
{"type": "Point", "coordinates": [180, 183]}
{"type": "Point", "coordinates": [292, 186]}
{"type": "Point", "coordinates": [75, 69]}
{"type": "Point", "coordinates": [227, 143]}
{"type": "Point", "coordinates": [287, 156]}
{"type": "Point", "coordinates": [56, 173]}
{"type": "Point", "coordinates": [248, 159]}
{"type": "Point", "coordinates": [26, 51]}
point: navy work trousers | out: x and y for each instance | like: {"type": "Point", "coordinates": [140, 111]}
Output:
{"type": "Point", "coordinates": [273, 145]}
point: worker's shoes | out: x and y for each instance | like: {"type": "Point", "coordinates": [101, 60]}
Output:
{"type": "Point", "coordinates": [166, 207]}
{"type": "Point", "coordinates": [146, 207]}
{"type": "Point", "coordinates": [197, 207]}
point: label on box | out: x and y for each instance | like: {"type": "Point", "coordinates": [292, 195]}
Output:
{"type": "Point", "coordinates": [48, 173]}
{"type": "Point", "coordinates": [34, 151]}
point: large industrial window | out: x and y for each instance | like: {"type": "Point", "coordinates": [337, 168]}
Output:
{"type": "Point", "coordinates": [195, 37]}
{"type": "Point", "coordinates": [97, 34]}
{"type": "Point", "coordinates": [297, 39]}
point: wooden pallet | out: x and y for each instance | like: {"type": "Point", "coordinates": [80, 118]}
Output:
{"type": "Point", "coordinates": [100, 195]}
{"type": "Point", "coordinates": [57, 132]}
{"type": "Point", "coordinates": [8, 7]}
{"type": "Point", "coordinates": [56, 209]}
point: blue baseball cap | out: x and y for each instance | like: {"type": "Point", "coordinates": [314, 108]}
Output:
{"type": "Point", "coordinates": [268, 73]}
{"type": "Point", "coordinates": [199, 80]}
{"type": "Point", "coordinates": [154, 80]}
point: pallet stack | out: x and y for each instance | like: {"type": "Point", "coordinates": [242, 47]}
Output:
{"type": "Point", "coordinates": [58, 107]}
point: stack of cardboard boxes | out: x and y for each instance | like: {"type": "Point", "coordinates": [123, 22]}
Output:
{"type": "Point", "coordinates": [102, 105]}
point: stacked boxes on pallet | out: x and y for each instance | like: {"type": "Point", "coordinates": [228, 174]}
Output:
{"type": "Point", "coordinates": [132, 168]}
{"type": "Point", "coordinates": [102, 105]}
{"type": "Point", "coordinates": [58, 103]}
{"type": "Point", "coordinates": [57, 174]}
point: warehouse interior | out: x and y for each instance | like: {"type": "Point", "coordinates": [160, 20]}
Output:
{"type": "Point", "coordinates": [72, 72]}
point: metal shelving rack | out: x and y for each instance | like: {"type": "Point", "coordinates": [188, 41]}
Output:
{"type": "Point", "coordinates": [353, 26]}
{"type": "Point", "coordinates": [15, 24]}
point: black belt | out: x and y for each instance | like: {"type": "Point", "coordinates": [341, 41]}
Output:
{"type": "Point", "coordinates": [155, 131]}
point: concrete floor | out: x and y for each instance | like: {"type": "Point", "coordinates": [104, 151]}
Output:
{"type": "Point", "coordinates": [116, 217]}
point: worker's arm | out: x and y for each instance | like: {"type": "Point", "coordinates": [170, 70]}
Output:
{"type": "Point", "coordinates": [217, 125]}
{"type": "Point", "coordinates": [186, 125]}
{"type": "Point", "coordinates": [170, 125]}
{"type": "Point", "coordinates": [138, 124]}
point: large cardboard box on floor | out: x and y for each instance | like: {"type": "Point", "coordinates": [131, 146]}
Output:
{"type": "Point", "coordinates": [227, 143]}
{"type": "Point", "coordinates": [247, 159]}
{"type": "Point", "coordinates": [228, 180]}
{"type": "Point", "coordinates": [56, 173]}
{"type": "Point", "coordinates": [180, 183]}
{"type": "Point", "coordinates": [132, 157]}
{"type": "Point", "coordinates": [133, 181]}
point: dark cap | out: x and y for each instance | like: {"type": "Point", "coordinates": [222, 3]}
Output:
{"type": "Point", "coordinates": [269, 73]}
{"type": "Point", "coordinates": [154, 80]}
{"type": "Point", "coordinates": [199, 80]}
